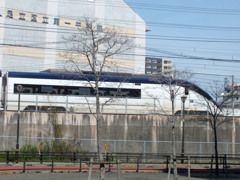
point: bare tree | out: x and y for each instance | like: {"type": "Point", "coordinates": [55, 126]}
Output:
{"type": "Point", "coordinates": [93, 48]}
{"type": "Point", "coordinates": [174, 87]}
{"type": "Point", "coordinates": [217, 114]}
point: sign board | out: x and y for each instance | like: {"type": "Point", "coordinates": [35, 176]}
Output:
{"type": "Point", "coordinates": [40, 146]}
{"type": "Point", "coordinates": [106, 148]}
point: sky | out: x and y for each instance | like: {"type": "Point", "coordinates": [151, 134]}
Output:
{"type": "Point", "coordinates": [202, 36]}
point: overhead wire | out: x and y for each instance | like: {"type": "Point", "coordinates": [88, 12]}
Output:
{"type": "Point", "coordinates": [182, 57]}
{"type": "Point", "coordinates": [153, 6]}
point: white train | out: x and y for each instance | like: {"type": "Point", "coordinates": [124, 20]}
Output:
{"type": "Point", "coordinates": [120, 93]}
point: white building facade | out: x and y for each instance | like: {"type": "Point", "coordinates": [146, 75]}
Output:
{"type": "Point", "coordinates": [31, 31]}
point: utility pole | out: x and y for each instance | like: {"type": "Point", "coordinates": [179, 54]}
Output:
{"type": "Point", "coordinates": [19, 89]}
{"type": "Point", "coordinates": [183, 98]}
{"type": "Point", "coordinates": [233, 97]}
{"type": "Point", "coordinates": [233, 119]}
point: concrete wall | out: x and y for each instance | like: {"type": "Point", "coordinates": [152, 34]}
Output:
{"type": "Point", "coordinates": [131, 133]}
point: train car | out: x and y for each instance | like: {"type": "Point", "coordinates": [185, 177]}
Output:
{"type": "Point", "coordinates": [119, 93]}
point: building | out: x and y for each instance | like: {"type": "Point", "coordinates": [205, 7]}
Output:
{"type": "Point", "coordinates": [231, 100]}
{"type": "Point", "coordinates": [231, 96]}
{"type": "Point", "coordinates": [31, 31]}
{"type": "Point", "coordinates": [159, 66]}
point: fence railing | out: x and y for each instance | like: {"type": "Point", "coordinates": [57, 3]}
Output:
{"type": "Point", "coordinates": [137, 161]}
{"type": "Point", "coordinates": [78, 104]}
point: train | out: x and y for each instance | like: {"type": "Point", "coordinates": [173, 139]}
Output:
{"type": "Point", "coordinates": [119, 93]}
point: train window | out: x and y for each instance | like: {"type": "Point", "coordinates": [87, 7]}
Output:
{"type": "Point", "coordinates": [27, 89]}
{"type": "Point", "coordinates": [62, 91]}
{"type": "Point", "coordinates": [104, 92]}
{"type": "Point", "coordinates": [135, 93]}
{"type": "Point", "coordinates": [85, 91]}
{"type": "Point", "coordinates": [125, 93]}
{"type": "Point", "coordinates": [46, 89]}
{"type": "Point", "coordinates": [82, 91]}
{"type": "Point", "coordinates": [72, 91]}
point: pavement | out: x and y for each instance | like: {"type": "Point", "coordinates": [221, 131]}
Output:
{"type": "Point", "coordinates": [109, 176]}
{"type": "Point", "coordinates": [65, 171]}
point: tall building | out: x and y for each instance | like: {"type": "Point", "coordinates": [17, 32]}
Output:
{"type": "Point", "coordinates": [159, 66]}
{"type": "Point", "coordinates": [31, 31]}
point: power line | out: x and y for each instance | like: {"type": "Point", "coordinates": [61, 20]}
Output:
{"type": "Point", "coordinates": [184, 56]}
{"type": "Point", "coordinates": [154, 7]}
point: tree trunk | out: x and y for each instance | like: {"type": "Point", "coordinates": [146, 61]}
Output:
{"type": "Point", "coordinates": [216, 149]}
{"type": "Point", "coordinates": [174, 139]}
{"type": "Point", "coordinates": [174, 152]}
{"type": "Point", "coordinates": [99, 123]}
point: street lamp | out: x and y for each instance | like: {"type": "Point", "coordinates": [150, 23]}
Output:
{"type": "Point", "coordinates": [183, 98]}
{"type": "Point", "coordinates": [19, 90]}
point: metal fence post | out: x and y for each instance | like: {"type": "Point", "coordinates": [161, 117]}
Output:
{"type": "Point", "coordinates": [24, 165]}
{"type": "Point", "coordinates": [114, 146]}
{"type": "Point", "coordinates": [66, 103]}
{"type": "Point", "coordinates": [137, 165]}
{"type": "Point", "coordinates": [74, 157]}
{"type": "Point", "coordinates": [126, 105]}
{"type": "Point", "coordinates": [36, 108]}
{"type": "Point", "coordinates": [227, 148]}
{"type": "Point", "coordinates": [200, 148]}
{"type": "Point", "coordinates": [167, 163]}
{"type": "Point", "coordinates": [80, 165]}
{"type": "Point", "coordinates": [52, 165]}
{"type": "Point", "coordinates": [7, 157]}
{"type": "Point", "coordinates": [41, 157]}
{"type": "Point", "coordinates": [118, 170]}
{"type": "Point", "coordinates": [226, 165]}
{"type": "Point", "coordinates": [189, 168]}
{"type": "Point", "coordinates": [144, 147]}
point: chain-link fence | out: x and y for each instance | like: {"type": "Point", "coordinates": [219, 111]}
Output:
{"type": "Point", "coordinates": [125, 146]}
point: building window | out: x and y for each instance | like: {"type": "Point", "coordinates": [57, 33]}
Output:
{"type": "Point", "coordinates": [167, 62]}
{"type": "Point", "coordinates": [149, 61]}
{"type": "Point", "coordinates": [9, 14]}
{"type": "Point", "coordinates": [45, 20]}
{"type": "Point", "coordinates": [78, 24]}
{"type": "Point", "coordinates": [56, 21]}
{"type": "Point", "coordinates": [34, 18]}
{"type": "Point", "coordinates": [22, 16]}
{"type": "Point", "coordinates": [99, 27]}
{"type": "Point", "coordinates": [88, 26]}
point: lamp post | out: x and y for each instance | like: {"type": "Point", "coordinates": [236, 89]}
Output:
{"type": "Point", "coordinates": [183, 98]}
{"type": "Point", "coordinates": [19, 89]}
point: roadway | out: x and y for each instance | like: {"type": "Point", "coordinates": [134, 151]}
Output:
{"type": "Point", "coordinates": [95, 176]}
{"type": "Point", "coordinates": [39, 172]}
